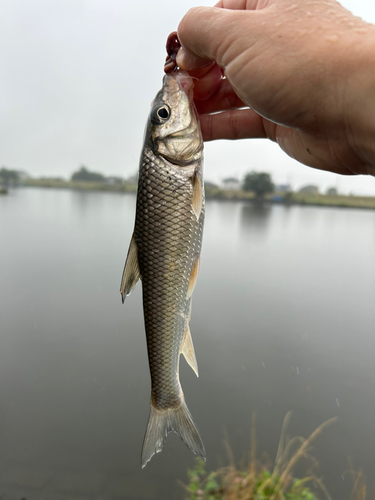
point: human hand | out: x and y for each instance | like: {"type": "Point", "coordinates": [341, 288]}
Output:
{"type": "Point", "coordinates": [300, 74]}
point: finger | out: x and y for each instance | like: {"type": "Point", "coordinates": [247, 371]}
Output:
{"type": "Point", "coordinates": [201, 72]}
{"type": "Point", "coordinates": [224, 98]}
{"type": "Point", "coordinates": [201, 35]}
{"type": "Point", "coordinates": [234, 124]}
{"type": "Point", "coordinates": [238, 4]}
{"type": "Point", "coordinates": [207, 84]}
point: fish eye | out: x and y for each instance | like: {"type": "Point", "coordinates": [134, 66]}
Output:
{"type": "Point", "coordinates": [160, 115]}
{"type": "Point", "coordinates": [163, 113]}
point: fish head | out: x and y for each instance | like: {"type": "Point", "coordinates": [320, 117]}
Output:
{"type": "Point", "coordinates": [173, 129]}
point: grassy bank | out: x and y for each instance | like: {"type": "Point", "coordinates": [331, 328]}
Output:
{"type": "Point", "coordinates": [295, 198]}
{"type": "Point", "coordinates": [219, 194]}
{"type": "Point", "coordinates": [80, 185]}
{"type": "Point", "coordinates": [334, 201]}
{"type": "Point", "coordinates": [259, 479]}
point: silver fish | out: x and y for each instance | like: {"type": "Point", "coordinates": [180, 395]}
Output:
{"type": "Point", "coordinates": [164, 253]}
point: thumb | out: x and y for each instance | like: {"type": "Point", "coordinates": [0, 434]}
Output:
{"type": "Point", "coordinates": [201, 33]}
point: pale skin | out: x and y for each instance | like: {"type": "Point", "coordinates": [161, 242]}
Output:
{"type": "Point", "coordinates": [298, 72]}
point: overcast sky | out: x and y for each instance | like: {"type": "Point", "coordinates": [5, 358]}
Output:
{"type": "Point", "coordinates": [76, 81]}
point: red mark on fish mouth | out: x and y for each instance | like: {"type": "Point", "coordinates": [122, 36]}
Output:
{"type": "Point", "coordinates": [172, 46]}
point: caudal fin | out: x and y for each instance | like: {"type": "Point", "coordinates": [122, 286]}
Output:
{"type": "Point", "coordinates": [162, 422]}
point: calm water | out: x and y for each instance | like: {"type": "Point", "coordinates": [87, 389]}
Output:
{"type": "Point", "coordinates": [283, 319]}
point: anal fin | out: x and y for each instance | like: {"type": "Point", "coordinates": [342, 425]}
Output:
{"type": "Point", "coordinates": [131, 273]}
{"type": "Point", "coordinates": [188, 351]}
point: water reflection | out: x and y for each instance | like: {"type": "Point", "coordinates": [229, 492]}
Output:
{"type": "Point", "coordinates": [255, 218]}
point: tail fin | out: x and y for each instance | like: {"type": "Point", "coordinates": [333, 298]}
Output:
{"type": "Point", "coordinates": [162, 422]}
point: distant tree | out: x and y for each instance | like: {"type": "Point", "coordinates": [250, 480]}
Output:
{"type": "Point", "coordinates": [332, 191]}
{"type": "Point", "coordinates": [258, 182]}
{"type": "Point", "coordinates": [309, 189]}
{"type": "Point", "coordinates": [8, 176]}
{"type": "Point", "coordinates": [85, 175]}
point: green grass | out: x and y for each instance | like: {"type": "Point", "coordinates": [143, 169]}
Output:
{"type": "Point", "coordinates": [334, 201]}
{"type": "Point", "coordinates": [295, 198]}
{"type": "Point", "coordinates": [257, 480]}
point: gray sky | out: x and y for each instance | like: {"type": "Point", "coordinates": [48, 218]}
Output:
{"type": "Point", "coordinates": [77, 79]}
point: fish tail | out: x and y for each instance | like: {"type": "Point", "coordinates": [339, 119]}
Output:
{"type": "Point", "coordinates": [162, 422]}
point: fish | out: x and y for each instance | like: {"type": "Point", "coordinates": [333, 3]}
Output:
{"type": "Point", "coordinates": [164, 254]}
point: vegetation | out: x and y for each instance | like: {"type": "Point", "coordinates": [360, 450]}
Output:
{"type": "Point", "coordinates": [8, 177]}
{"type": "Point", "coordinates": [85, 180]}
{"type": "Point", "coordinates": [81, 185]}
{"type": "Point", "coordinates": [260, 183]}
{"type": "Point", "coordinates": [333, 200]}
{"type": "Point", "coordinates": [259, 481]}
{"type": "Point", "coordinates": [86, 176]}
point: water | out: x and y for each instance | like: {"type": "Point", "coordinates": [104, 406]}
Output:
{"type": "Point", "coordinates": [283, 318]}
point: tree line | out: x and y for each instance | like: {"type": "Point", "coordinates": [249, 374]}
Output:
{"type": "Point", "coordinates": [9, 177]}
{"type": "Point", "coordinates": [260, 183]}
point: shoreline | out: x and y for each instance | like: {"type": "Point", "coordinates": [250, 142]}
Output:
{"type": "Point", "coordinates": [287, 199]}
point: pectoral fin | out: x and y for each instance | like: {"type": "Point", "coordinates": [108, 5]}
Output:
{"type": "Point", "coordinates": [193, 279]}
{"type": "Point", "coordinates": [197, 196]}
{"type": "Point", "coordinates": [131, 273]}
{"type": "Point", "coordinates": [188, 351]}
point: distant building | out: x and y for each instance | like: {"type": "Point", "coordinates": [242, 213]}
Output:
{"type": "Point", "coordinates": [309, 189]}
{"type": "Point", "coordinates": [283, 188]}
{"type": "Point", "coordinates": [231, 183]}
{"type": "Point", "coordinates": [332, 191]}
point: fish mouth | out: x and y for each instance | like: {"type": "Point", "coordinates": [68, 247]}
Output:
{"type": "Point", "coordinates": [185, 83]}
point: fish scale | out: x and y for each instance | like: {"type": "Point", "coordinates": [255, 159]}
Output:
{"type": "Point", "coordinates": [164, 254]}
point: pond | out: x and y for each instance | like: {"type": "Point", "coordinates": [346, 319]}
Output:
{"type": "Point", "coordinates": [283, 319]}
